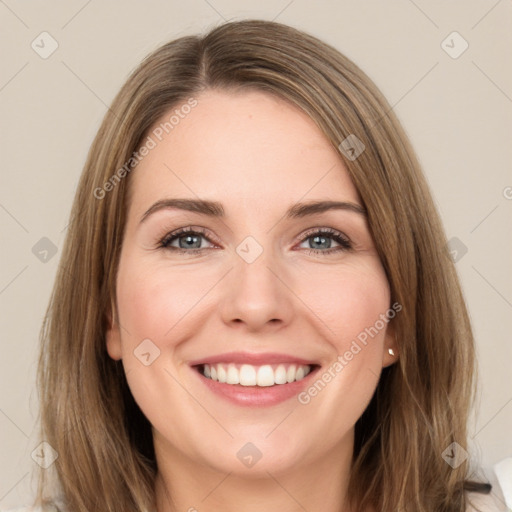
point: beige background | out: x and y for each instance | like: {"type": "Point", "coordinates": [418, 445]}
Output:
{"type": "Point", "coordinates": [458, 113]}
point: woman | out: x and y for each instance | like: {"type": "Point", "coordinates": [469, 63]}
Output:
{"type": "Point", "coordinates": [254, 307]}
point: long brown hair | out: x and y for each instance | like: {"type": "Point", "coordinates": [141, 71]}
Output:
{"type": "Point", "coordinates": [106, 459]}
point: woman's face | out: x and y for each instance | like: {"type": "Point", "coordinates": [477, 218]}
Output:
{"type": "Point", "coordinates": [287, 298]}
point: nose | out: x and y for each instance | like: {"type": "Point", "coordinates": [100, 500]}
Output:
{"type": "Point", "coordinates": [257, 295]}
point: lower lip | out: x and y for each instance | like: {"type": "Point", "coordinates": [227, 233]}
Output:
{"type": "Point", "coordinates": [257, 396]}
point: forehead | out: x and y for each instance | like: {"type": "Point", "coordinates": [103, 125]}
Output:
{"type": "Point", "coordinates": [244, 147]}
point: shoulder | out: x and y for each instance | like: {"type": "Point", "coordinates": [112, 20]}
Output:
{"type": "Point", "coordinates": [478, 502]}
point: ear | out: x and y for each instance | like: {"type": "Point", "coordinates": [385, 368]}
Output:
{"type": "Point", "coordinates": [390, 353]}
{"type": "Point", "coordinates": [113, 335]}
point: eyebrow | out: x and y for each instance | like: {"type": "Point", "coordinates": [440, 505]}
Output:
{"type": "Point", "coordinates": [215, 209]}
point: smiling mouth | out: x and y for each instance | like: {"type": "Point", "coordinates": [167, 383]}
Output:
{"type": "Point", "coordinates": [255, 375]}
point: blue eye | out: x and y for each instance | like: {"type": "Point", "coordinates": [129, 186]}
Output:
{"type": "Point", "coordinates": [187, 240]}
{"type": "Point", "coordinates": [320, 241]}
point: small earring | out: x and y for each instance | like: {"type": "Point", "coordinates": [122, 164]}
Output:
{"type": "Point", "coordinates": [391, 352]}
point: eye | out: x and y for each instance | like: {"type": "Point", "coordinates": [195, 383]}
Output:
{"type": "Point", "coordinates": [190, 240]}
{"type": "Point", "coordinates": [320, 241]}
{"type": "Point", "coordinates": [183, 240]}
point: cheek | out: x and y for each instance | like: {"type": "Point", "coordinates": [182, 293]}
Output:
{"type": "Point", "coordinates": [348, 299]}
{"type": "Point", "coordinates": [350, 302]}
{"type": "Point", "coordinates": [158, 303]}
{"type": "Point", "coordinates": [155, 302]}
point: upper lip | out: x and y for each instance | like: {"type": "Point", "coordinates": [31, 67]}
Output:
{"type": "Point", "coordinates": [254, 359]}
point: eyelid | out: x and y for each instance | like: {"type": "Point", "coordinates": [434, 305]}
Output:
{"type": "Point", "coordinates": [343, 241]}
{"type": "Point", "coordinates": [323, 230]}
{"type": "Point", "coordinates": [168, 237]}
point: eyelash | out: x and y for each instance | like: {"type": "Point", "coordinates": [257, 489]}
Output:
{"type": "Point", "coordinates": [343, 241]}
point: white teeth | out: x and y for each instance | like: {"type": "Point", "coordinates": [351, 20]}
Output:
{"type": "Point", "coordinates": [233, 376]}
{"type": "Point", "coordinates": [265, 376]}
{"type": "Point", "coordinates": [221, 373]}
{"type": "Point", "coordinates": [280, 375]}
{"type": "Point", "coordinates": [290, 374]}
{"type": "Point", "coordinates": [249, 375]}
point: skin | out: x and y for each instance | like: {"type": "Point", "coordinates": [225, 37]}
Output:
{"type": "Point", "coordinates": [257, 155]}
